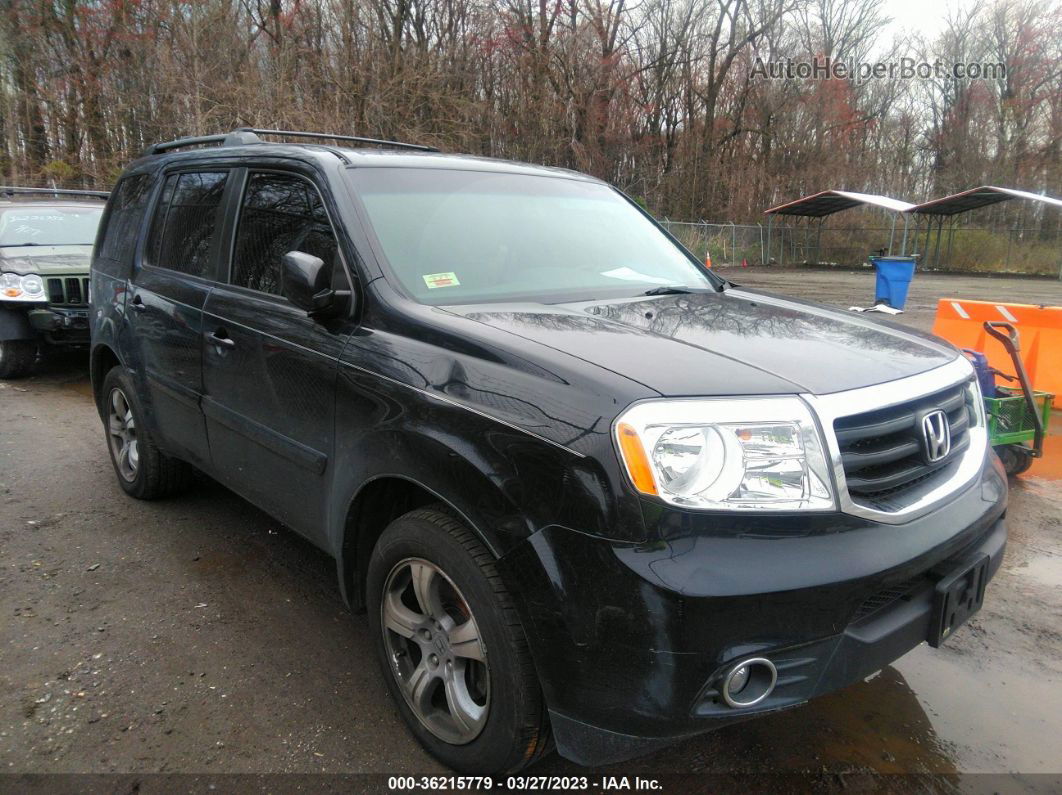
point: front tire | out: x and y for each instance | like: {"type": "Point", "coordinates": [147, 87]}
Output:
{"type": "Point", "coordinates": [452, 647]}
{"type": "Point", "coordinates": [143, 471]}
{"type": "Point", "coordinates": [17, 357]}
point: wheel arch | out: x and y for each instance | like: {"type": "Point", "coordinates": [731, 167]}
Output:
{"type": "Point", "coordinates": [379, 501]}
{"type": "Point", "coordinates": [101, 360]}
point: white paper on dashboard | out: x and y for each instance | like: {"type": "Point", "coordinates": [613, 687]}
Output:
{"type": "Point", "coordinates": [630, 275]}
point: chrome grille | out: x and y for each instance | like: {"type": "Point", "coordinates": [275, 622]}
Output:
{"type": "Point", "coordinates": [882, 451]}
{"type": "Point", "coordinates": [68, 291]}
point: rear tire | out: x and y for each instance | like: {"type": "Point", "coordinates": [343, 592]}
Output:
{"type": "Point", "coordinates": [17, 357]}
{"type": "Point", "coordinates": [143, 471]}
{"type": "Point", "coordinates": [489, 719]}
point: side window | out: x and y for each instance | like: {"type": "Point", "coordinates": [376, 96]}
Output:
{"type": "Point", "coordinates": [123, 216]}
{"type": "Point", "coordinates": [182, 232]}
{"type": "Point", "coordinates": [280, 213]}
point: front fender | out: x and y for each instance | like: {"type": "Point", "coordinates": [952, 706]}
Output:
{"type": "Point", "coordinates": [487, 498]}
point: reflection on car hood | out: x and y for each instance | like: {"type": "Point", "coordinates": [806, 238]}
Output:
{"type": "Point", "coordinates": [46, 260]}
{"type": "Point", "coordinates": [732, 343]}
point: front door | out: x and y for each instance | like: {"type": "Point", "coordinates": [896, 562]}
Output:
{"type": "Point", "coordinates": [269, 371]}
{"type": "Point", "coordinates": [169, 287]}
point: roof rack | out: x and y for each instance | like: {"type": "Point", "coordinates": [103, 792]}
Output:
{"type": "Point", "coordinates": [332, 137]}
{"type": "Point", "coordinates": [249, 135]}
{"type": "Point", "coordinates": [6, 190]}
{"type": "Point", "coordinates": [234, 138]}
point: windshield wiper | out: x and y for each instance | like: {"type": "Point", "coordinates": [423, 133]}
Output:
{"type": "Point", "coordinates": [667, 290]}
{"type": "Point", "coordinates": [23, 245]}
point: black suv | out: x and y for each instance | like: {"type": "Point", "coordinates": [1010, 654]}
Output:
{"type": "Point", "coordinates": [589, 492]}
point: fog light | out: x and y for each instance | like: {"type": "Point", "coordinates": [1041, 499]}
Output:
{"type": "Point", "coordinates": [749, 682]}
{"type": "Point", "coordinates": [738, 680]}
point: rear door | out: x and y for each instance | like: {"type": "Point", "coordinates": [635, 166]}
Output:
{"type": "Point", "coordinates": [169, 286]}
{"type": "Point", "coordinates": [269, 371]}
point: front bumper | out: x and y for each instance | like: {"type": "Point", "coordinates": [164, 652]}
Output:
{"type": "Point", "coordinates": [631, 641]}
{"type": "Point", "coordinates": [61, 325]}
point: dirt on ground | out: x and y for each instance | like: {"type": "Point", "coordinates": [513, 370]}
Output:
{"type": "Point", "coordinates": [197, 635]}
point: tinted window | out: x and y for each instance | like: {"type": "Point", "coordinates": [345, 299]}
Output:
{"type": "Point", "coordinates": [182, 233]}
{"type": "Point", "coordinates": [122, 221]}
{"type": "Point", "coordinates": [280, 213]}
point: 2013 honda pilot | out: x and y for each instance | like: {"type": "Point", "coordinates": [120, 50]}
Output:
{"type": "Point", "coordinates": [590, 494]}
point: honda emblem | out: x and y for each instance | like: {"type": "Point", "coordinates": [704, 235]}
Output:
{"type": "Point", "coordinates": [937, 434]}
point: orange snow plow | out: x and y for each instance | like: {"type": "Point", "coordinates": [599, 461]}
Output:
{"type": "Point", "coordinates": [961, 323]}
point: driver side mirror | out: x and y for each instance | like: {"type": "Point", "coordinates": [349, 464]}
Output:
{"type": "Point", "coordinates": [306, 282]}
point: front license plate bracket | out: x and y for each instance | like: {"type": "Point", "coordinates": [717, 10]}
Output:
{"type": "Point", "coordinates": [958, 596]}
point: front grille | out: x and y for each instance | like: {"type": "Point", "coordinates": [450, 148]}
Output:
{"type": "Point", "coordinates": [883, 450]}
{"type": "Point", "coordinates": [69, 291]}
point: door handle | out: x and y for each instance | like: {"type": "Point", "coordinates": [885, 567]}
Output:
{"type": "Point", "coordinates": [223, 342]}
{"type": "Point", "coordinates": [138, 304]}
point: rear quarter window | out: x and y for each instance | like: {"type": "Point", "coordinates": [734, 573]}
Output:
{"type": "Point", "coordinates": [118, 232]}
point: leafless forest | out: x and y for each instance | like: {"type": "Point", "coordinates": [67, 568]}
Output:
{"type": "Point", "coordinates": [661, 97]}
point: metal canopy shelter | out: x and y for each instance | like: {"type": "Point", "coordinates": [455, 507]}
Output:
{"type": "Point", "coordinates": [827, 202]}
{"type": "Point", "coordinates": [972, 199]}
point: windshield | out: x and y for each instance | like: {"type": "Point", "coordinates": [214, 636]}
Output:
{"type": "Point", "coordinates": [49, 226]}
{"type": "Point", "coordinates": [457, 237]}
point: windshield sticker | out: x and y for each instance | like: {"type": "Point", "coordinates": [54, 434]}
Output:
{"type": "Point", "coordinates": [630, 275]}
{"type": "Point", "coordinates": [434, 280]}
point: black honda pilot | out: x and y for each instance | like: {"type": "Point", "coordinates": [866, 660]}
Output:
{"type": "Point", "coordinates": [590, 494]}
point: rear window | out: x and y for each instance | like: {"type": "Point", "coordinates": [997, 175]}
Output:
{"type": "Point", "coordinates": [185, 222]}
{"type": "Point", "coordinates": [49, 226]}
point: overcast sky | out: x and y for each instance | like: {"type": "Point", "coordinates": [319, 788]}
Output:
{"type": "Point", "coordinates": [926, 16]}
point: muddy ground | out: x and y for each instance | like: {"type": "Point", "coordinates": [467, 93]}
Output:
{"type": "Point", "coordinates": [198, 636]}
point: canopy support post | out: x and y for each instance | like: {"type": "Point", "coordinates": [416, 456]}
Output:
{"type": "Point", "coordinates": [770, 225]}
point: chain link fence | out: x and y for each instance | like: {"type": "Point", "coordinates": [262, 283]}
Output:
{"type": "Point", "coordinates": [728, 244]}
{"type": "Point", "coordinates": [970, 249]}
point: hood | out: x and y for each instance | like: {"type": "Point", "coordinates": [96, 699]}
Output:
{"type": "Point", "coordinates": [46, 260]}
{"type": "Point", "coordinates": [739, 342]}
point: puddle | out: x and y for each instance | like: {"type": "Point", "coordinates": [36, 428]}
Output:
{"type": "Point", "coordinates": [1044, 569]}
{"type": "Point", "coordinates": [993, 719]}
{"type": "Point", "coordinates": [880, 725]}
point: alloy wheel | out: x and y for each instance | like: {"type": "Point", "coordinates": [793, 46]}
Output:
{"type": "Point", "coordinates": [121, 432]}
{"type": "Point", "coordinates": [435, 650]}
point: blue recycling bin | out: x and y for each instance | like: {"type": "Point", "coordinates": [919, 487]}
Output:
{"type": "Point", "coordinates": [894, 276]}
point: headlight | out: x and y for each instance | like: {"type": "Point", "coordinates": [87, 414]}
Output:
{"type": "Point", "coordinates": [725, 454]}
{"type": "Point", "coordinates": [14, 287]}
{"type": "Point", "coordinates": [975, 404]}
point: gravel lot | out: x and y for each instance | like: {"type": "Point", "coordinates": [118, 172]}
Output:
{"type": "Point", "coordinates": [197, 635]}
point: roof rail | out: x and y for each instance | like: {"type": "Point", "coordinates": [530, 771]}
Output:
{"type": "Point", "coordinates": [331, 137]}
{"type": "Point", "coordinates": [249, 135]}
{"type": "Point", "coordinates": [6, 190]}
{"type": "Point", "coordinates": [234, 138]}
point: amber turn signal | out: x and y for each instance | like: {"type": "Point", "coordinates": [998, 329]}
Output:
{"type": "Point", "coordinates": [635, 459]}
